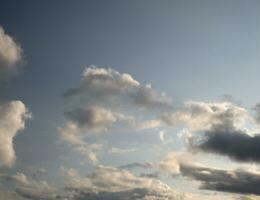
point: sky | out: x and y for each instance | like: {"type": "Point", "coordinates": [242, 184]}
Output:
{"type": "Point", "coordinates": [129, 100]}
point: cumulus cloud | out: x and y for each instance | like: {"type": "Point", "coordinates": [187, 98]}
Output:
{"type": "Point", "coordinates": [28, 188]}
{"type": "Point", "coordinates": [95, 119]}
{"type": "Point", "coordinates": [221, 127]}
{"type": "Point", "coordinates": [109, 101]}
{"type": "Point", "coordinates": [100, 84]}
{"type": "Point", "coordinates": [12, 119]}
{"type": "Point", "coordinates": [117, 184]}
{"type": "Point", "coordinates": [10, 54]}
{"type": "Point", "coordinates": [201, 116]}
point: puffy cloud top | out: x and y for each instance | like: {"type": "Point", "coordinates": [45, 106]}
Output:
{"type": "Point", "coordinates": [12, 119]}
{"type": "Point", "coordinates": [10, 54]}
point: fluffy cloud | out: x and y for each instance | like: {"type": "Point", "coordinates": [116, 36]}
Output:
{"type": "Point", "coordinates": [10, 54]}
{"type": "Point", "coordinates": [100, 84]}
{"type": "Point", "coordinates": [200, 116]}
{"type": "Point", "coordinates": [108, 101]}
{"type": "Point", "coordinates": [222, 128]}
{"type": "Point", "coordinates": [28, 188]}
{"type": "Point", "coordinates": [117, 184]}
{"type": "Point", "coordinates": [12, 119]}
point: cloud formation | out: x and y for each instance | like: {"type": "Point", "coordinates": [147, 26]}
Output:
{"type": "Point", "coordinates": [117, 184]}
{"type": "Point", "coordinates": [100, 84]}
{"type": "Point", "coordinates": [28, 188]}
{"type": "Point", "coordinates": [236, 144]}
{"type": "Point", "coordinates": [12, 119]}
{"type": "Point", "coordinates": [234, 181]}
{"type": "Point", "coordinates": [10, 54]}
{"type": "Point", "coordinates": [108, 101]}
{"type": "Point", "coordinates": [202, 116]}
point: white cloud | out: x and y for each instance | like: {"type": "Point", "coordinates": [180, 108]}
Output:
{"type": "Point", "coordinates": [109, 87]}
{"type": "Point", "coordinates": [162, 136]}
{"type": "Point", "coordinates": [28, 188]}
{"type": "Point", "coordinates": [108, 101]}
{"type": "Point", "coordinates": [201, 116]}
{"type": "Point", "coordinates": [12, 119]}
{"type": "Point", "coordinates": [10, 54]}
{"type": "Point", "coordinates": [113, 183]}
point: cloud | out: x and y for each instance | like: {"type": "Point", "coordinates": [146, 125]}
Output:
{"type": "Point", "coordinates": [108, 101]}
{"type": "Point", "coordinates": [100, 84]}
{"type": "Point", "coordinates": [236, 144]}
{"type": "Point", "coordinates": [233, 181]}
{"type": "Point", "coordinates": [28, 188]}
{"type": "Point", "coordinates": [135, 165]}
{"type": "Point", "coordinates": [12, 119]}
{"type": "Point", "coordinates": [117, 184]}
{"type": "Point", "coordinates": [9, 195]}
{"type": "Point", "coordinates": [115, 150]}
{"type": "Point", "coordinates": [95, 119]}
{"type": "Point", "coordinates": [257, 112]}
{"type": "Point", "coordinates": [201, 116]}
{"type": "Point", "coordinates": [10, 54]}
{"type": "Point", "coordinates": [162, 136]}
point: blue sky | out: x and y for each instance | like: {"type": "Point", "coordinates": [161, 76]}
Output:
{"type": "Point", "coordinates": [153, 79]}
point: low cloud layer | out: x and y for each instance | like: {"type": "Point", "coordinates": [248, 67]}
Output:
{"type": "Point", "coordinates": [233, 181]}
{"type": "Point", "coordinates": [28, 188]}
{"type": "Point", "coordinates": [111, 183]}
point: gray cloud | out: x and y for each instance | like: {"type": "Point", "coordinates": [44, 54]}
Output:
{"type": "Point", "coordinates": [257, 112]}
{"type": "Point", "coordinates": [233, 181]}
{"type": "Point", "coordinates": [94, 118]}
{"type": "Point", "coordinates": [236, 181]}
{"type": "Point", "coordinates": [236, 144]}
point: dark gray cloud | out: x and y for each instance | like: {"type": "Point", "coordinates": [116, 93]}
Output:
{"type": "Point", "coordinates": [237, 181]}
{"type": "Point", "coordinates": [235, 144]}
